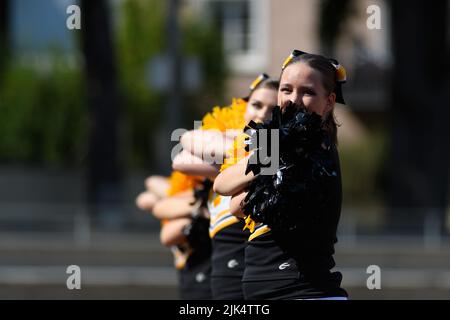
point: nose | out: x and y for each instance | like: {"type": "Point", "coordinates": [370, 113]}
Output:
{"type": "Point", "coordinates": [296, 98]}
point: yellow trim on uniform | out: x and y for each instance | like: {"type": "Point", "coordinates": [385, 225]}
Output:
{"type": "Point", "coordinates": [219, 215]}
{"type": "Point", "coordinates": [223, 225]}
{"type": "Point", "coordinates": [250, 224]}
{"type": "Point", "coordinates": [217, 200]}
{"type": "Point", "coordinates": [259, 232]}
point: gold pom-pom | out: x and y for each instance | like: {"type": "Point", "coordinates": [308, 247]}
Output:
{"type": "Point", "coordinates": [229, 117]}
{"type": "Point", "coordinates": [179, 182]}
{"type": "Point", "coordinates": [236, 153]}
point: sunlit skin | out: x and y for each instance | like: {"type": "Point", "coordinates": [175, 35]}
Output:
{"type": "Point", "coordinates": [299, 84]}
{"type": "Point", "coordinates": [146, 201]}
{"type": "Point", "coordinates": [156, 189]}
{"type": "Point", "coordinates": [207, 142]}
{"type": "Point", "coordinates": [260, 105]}
{"type": "Point", "coordinates": [233, 179]}
{"type": "Point", "coordinates": [192, 165]}
{"type": "Point", "coordinates": [235, 204]}
{"type": "Point", "coordinates": [302, 85]}
{"type": "Point", "coordinates": [157, 185]}
{"type": "Point", "coordinates": [259, 108]}
{"type": "Point", "coordinates": [177, 208]}
{"type": "Point", "coordinates": [174, 207]}
{"type": "Point", "coordinates": [172, 232]}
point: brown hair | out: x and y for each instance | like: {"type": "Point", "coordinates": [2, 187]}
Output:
{"type": "Point", "coordinates": [329, 82]}
{"type": "Point", "coordinates": [268, 83]}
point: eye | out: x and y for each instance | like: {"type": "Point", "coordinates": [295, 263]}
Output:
{"type": "Point", "coordinates": [256, 105]}
{"type": "Point", "coordinates": [310, 92]}
{"type": "Point", "coordinates": [285, 90]}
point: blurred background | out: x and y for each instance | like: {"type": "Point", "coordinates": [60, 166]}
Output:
{"type": "Point", "coordinates": [86, 116]}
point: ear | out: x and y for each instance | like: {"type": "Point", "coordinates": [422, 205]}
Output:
{"type": "Point", "coordinates": [331, 100]}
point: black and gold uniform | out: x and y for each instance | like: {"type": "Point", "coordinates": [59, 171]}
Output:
{"type": "Point", "coordinates": [225, 230]}
{"type": "Point", "coordinates": [293, 213]}
{"type": "Point", "coordinates": [228, 242]}
{"type": "Point", "coordinates": [193, 257]}
{"type": "Point", "coordinates": [296, 264]}
{"type": "Point", "coordinates": [195, 275]}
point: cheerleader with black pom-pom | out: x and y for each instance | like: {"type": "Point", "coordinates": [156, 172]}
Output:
{"type": "Point", "coordinates": [226, 231]}
{"type": "Point", "coordinates": [293, 211]}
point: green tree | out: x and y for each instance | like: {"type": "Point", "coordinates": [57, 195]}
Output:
{"type": "Point", "coordinates": [43, 118]}
{"type": "Point", "coordinates": [141, 37]}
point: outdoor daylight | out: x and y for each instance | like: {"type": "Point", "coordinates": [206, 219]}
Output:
{"type": "Point", "coordinates": [226, 150]}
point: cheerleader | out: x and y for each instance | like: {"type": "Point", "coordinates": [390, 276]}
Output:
{"type": "Point", "coordinates": [293, 213]}
{"type": "Point", "coordinates": [156, 189]}
{"type": "Point", "coordinates": [184, 228]}
{"type": "Point", "coordinates": [226, 231]}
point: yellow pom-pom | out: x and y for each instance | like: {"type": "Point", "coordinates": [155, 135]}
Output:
{"type": "Point", "coordinates": [229, 117]}
{"type": "Point", "coordinates": [179, 182]}
{"type": "Point", "coordinates": [236, 153]}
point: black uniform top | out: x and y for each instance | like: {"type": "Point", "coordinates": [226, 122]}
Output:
{"type": "Point", "coordinates": [195, 276]}
{"type": "Point", "coordinates": [229, 250]}
{"type": "Point", "coordinates": [228, 238]}
{"type": "Point", "coordinates": [304, 255]}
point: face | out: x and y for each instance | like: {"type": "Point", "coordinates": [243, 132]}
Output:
{"type": "Point", "coordinates": [260, 105]}
{"type": "Point", "coordinates": [302, 85]}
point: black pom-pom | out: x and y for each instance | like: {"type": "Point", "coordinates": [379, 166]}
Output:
{"type": "Point", "coordinates": [197, 234]}
{"type": "Point", "coordinates": [292, 196]}
{"type": "Point", "coordinates": [201, 193]}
